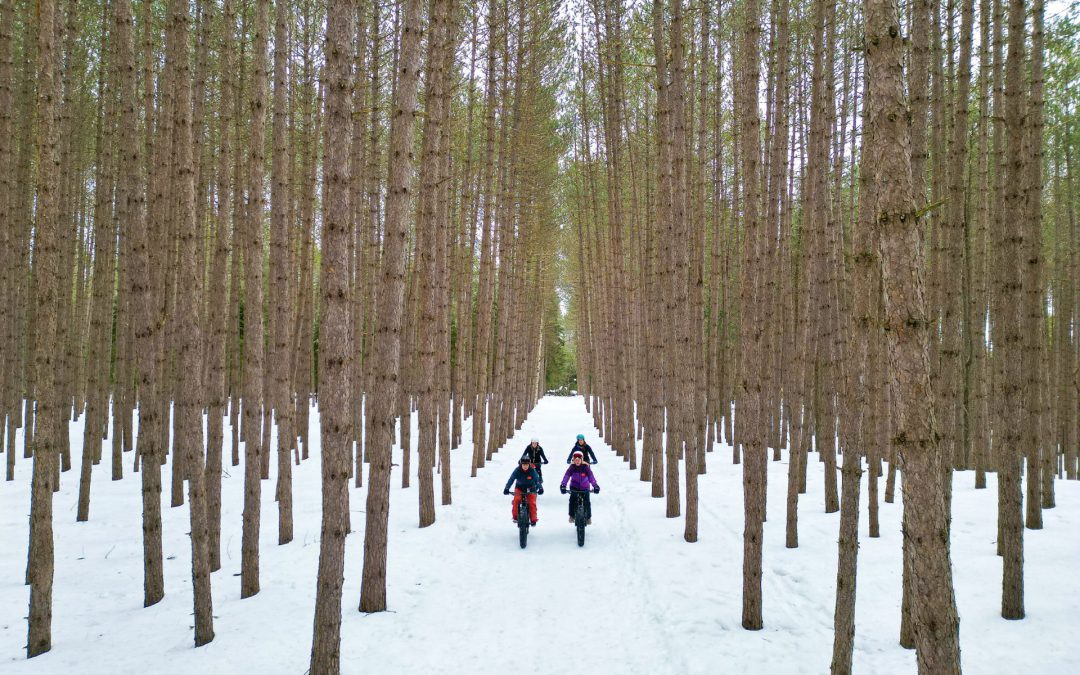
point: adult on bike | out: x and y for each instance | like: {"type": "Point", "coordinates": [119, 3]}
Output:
{"type": "Point", "coordinates": [580, 477]}
{"type": "Point", "coordinates": [587, 455]}
{"type": "Point", "coordinates": [526, 480]}
{"type": "Point", "coordinates": [535, 452]}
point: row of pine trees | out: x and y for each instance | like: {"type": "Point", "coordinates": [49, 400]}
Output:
{"type": "Point", "coordinates": [843, 228]}
{"type": "Point", "coordinates": [231, 210]}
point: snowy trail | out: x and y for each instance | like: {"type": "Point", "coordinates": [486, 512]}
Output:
{"type": "Point", "coordinates": [464, 598]}
{"type": "Point", "coordinates": [560, 603]}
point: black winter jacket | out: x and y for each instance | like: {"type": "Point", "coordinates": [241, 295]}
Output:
{"type": "Point", "coordinates": [585, 450]}
{"type": "Point", "coordinates": [536, 455]}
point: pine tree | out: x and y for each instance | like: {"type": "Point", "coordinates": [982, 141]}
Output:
{"type": "Point", "coordinates": [8, 238]}
{"type": "Point", "coordinates": [387, 346]}
{"type": "Point", "coordinates": [255, 442]}
{"type": "Point", "coordinates": [326, 642]}
{"type": "Point", "coordinates": [50, 411]}
{"type": "Point", "coordinates": [281, 323]}
{"type": "Point", "coordinates": [1012, 248]}
{"type": "Point", "coordinates": [751, 434]}
{"type": "Point", "coordinates": [96, 421]}
{"type": "Point", "coordinates": [189, 436]}
{"type": "Point", "coordinates": [936, 624]}
{"type": "Point", "coordinates": [215, 393]}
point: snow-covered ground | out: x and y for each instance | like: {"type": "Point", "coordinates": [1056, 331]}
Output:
{"type": "Point", "coordinates": [464, 598]}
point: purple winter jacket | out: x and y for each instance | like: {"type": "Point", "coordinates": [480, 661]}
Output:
{"type": "Point", "coordinates": [579, 477]}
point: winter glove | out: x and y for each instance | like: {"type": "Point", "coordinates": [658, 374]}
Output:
{"type": "Point", "coordinates": [540, 491]}
{"type": "Point", "coordinates": [506, 491]}
{"type": "Point", "coordinates": [562, 489]}
{"type": "Point", "coordinates": [596, 490]}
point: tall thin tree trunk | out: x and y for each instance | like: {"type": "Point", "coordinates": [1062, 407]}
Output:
{"type": "Point", "coordinates": [1011, 250]}
{"type": "Point", "coordinates": [189, 434]}
{"type": "Point", "coordinates": [51, 414]}
{"type": "Point", "coordinates": [751, 362]}
{"type": "Point", "coordinates": [333, 352]}
{"type": "Point", "coordinates": [282, 272]}
{"type": "Point", "coordinates": [899, 226]}
{"type": "Point", "coordinates": [254, 443]}
{"type": "Point", "coordinates": [392, 286]}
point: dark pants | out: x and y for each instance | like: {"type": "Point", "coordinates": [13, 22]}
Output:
{"type": "Point", "coordinates": [574, 497]}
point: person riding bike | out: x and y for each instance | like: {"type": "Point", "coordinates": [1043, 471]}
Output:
{"type": "Point", "coordinates": [580, 477]}
{"type": "Point", "coordinates": [535, 452]}
{"type": "Point", "coordinates": [527, 480]}
{"type": "Point", "coordinates": [587, 454]}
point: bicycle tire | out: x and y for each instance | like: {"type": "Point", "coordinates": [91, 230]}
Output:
{"type": "Point", "coordinates": [523, 526]}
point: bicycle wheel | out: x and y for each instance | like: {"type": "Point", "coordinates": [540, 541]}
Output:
{"type": "Point", "coordinates": [523, 525]}
{"type": "Point", "coordinates": [579, 521]}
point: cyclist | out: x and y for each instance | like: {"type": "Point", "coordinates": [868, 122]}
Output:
{"type": "Point", "coordinates": [587, 455]}
{"type": "Point", "coordinates": [580, 477]}
{"type": "Point", "coordinates": [535, 452]}
{"type": "Point", "coordinates": [526, 478]}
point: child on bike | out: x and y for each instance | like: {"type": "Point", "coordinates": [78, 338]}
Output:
{"type": "Point", "coordinates": [535, 452]}
{"type": "Point", "coordinates": [528, 482]}
{"type": "Point", "coordinates": [580, 477]}
{"type": "Point", "coordinates": [587, 455]}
